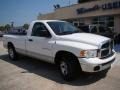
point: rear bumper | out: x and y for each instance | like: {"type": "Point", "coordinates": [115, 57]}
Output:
{"type": "Point", "coordinates": [96, 64]}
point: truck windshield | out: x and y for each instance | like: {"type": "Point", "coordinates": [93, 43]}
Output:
{"type": "Point", "coordinates": [63, 28]}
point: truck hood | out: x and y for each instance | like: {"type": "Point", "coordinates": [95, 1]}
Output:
{"type": "Point", "coordinates": [86, 38]}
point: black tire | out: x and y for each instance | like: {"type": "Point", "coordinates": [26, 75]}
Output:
{"type": "Point", "coordinates": [69, 67]}
{"type": "Point", "coordinates": [12, 53]}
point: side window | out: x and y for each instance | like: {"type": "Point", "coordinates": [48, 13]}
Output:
{"type": "Point", "coordinates": [38, 28]}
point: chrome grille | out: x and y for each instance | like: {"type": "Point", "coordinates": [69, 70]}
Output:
{"type": "Point", "coordinates": [106, 49]}
{"type": "Point", "coordinates": [105, 45]}
{"type": "Point", "coordinates": [104, 53]}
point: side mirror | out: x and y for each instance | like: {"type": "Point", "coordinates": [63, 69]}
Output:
{"type": "Point", "coordinates": [45, 33]}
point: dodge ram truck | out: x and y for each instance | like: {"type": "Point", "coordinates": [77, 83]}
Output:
{"type": "Point", "coordinates": [60, 43]}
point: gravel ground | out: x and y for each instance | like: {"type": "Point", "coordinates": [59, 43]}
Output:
{"type": "Point", "coordinates": [32, 74]}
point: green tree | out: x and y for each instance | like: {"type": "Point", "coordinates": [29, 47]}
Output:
{"type": "Point", "coordinates": [7, 27]}
{"type": "Point", "coordinates": [25, 26]}
{"type": "Point", "coordinates": [2, 28]}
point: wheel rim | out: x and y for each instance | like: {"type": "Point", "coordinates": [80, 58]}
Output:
{"type": "Point", "coordinates": [63, 67]}
{"type": "Point", "coordinates": [11, 53]}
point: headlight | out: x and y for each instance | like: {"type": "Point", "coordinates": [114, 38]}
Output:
{"type": "Point", "coordinates": [88, 53]}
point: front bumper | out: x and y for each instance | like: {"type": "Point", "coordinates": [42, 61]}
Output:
{"type": "Point", "coordinates": [96, 64]}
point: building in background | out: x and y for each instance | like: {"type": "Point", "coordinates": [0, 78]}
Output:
{"type": "Point", "coordinates": [104, 12]}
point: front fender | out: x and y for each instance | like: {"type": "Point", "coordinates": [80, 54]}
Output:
{"type": "Point", "coordinates": [72, 47]}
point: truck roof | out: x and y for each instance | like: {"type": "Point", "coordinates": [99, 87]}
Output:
{"type": "Point", "coordinates": [47, 21]}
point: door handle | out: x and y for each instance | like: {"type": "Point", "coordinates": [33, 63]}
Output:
{"type": "Point", "coordinates": [30, 40]}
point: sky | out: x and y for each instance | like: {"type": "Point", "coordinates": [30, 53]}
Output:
{"type": "Point", "coordinates": [25, 11]}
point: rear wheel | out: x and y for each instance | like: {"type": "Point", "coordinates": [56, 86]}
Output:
{"type": "Point", "coordinates": [69, 67]}
{"type": "Point", "coordinates": [12, 53]}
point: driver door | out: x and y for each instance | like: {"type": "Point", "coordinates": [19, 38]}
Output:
{"type": "Point", "coordinates": [38, 45]}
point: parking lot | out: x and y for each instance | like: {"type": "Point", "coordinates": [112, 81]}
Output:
{"type": "Point", "coordinates": [31, 74]}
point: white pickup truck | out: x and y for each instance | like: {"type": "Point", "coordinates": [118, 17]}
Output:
{"type": "Point", "coordinates": [59, 42]}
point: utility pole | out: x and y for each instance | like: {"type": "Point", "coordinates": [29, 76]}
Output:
{"type": "Point", "coordinates": [69, 2]}
{"type": "Point", "coordinates": [12, 24]}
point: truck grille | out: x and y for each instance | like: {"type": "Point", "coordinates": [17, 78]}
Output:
{"type": "Point", "coordinates": [106, 49]}
{"type": "Point", "coordinates": [106, 45]}
{"type": "Point", "coordinates": [104, 53]}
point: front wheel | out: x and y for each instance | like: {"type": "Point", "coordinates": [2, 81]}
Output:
{"type": "Point", "coordinates": [12, 53]}
{"type": "Point", "coordinates": [69, 67]}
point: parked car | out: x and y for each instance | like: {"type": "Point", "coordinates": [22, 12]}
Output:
{"type": "Point", "coordinates": [61, 43]}
{"type": "Point", "coordinates": [98, 29]}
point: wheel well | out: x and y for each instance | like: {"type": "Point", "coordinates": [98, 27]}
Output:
{"type": "Point", "coordinates": [10, 44]}
{"type": "Point", "coordinates": [61, 53]}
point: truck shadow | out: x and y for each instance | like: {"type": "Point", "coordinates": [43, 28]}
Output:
{"type": "Point", "coordinates": [50, 71]}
